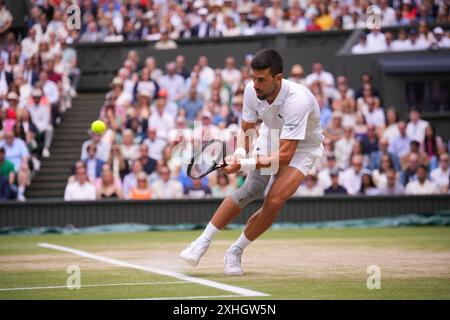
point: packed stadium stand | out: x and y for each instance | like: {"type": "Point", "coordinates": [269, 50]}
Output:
{"type": "Point", "coordinates": [153, 108]}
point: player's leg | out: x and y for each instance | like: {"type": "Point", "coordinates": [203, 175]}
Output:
{"type": "Point", "coordinates": [230, 208]}
{"type": "Point", "coordinates": [284, 186]}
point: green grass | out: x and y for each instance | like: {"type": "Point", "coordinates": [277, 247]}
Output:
{"type": "Point", "coordinates": [306, 264]}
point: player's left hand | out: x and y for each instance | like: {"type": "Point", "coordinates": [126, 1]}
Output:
{"type": "Point", "coordinates": [232, 165]}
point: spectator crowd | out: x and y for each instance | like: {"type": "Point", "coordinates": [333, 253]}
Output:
{"type": "Point", "coordinates": [38, 79]}
{"type": "Point", "coordinates": [157, 116]}
{"type": "Point", "coordinates": [151, 109]}
{"type": "Point", "coordinates": [167, 21]}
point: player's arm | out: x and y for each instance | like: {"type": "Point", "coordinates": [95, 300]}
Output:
{"type": "Point", "coordinates": [244, 137]}
{"type": "Point", "coordinates": [283, 156]}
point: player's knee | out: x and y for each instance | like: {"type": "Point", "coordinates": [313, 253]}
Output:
{"type": "Point", "coordinates": [248, 192]}
{"type": "Point", "coordinates": [273, 203]}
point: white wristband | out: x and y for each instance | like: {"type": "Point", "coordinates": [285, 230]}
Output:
{"type": "Point", "coordinates": [248, 164]}
{"type": "Point", "coordinates": [241, 152]}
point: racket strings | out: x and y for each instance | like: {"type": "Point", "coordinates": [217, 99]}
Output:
{"type": "Point", "coordinates": [206, 160]}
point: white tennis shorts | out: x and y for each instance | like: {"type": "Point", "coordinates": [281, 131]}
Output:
{"type": "Point", "coordinates": [304, 159]}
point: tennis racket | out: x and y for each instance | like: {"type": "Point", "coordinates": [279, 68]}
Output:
{"type": "Point", "coordinates": [209, 158]}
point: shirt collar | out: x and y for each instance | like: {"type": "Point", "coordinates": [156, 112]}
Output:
{"type": "Point", "coordinates": [279, 100]}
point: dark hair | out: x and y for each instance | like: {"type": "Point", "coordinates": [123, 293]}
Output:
{"type": "Point", "coordinates": [427, 140]}
{"type": "Point", "coordinates": [268, 58]}
{"type": "Point", "coordinates": [422, 166]}
{"type": "Point", "coordinates": [362, 189]}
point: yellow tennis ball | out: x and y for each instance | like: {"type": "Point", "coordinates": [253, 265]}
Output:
{"type": "Point", "coordinates": [98, 127]}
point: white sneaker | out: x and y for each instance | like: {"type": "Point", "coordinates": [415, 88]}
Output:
{"type": "Point", "coordinates": [21, 197]}
{"type": "Point", "coordinates": [45, 153]}
{"type": "Point", "coordinates": [232, 262]}
{"type": "Point", "coordinates": [195, 251]}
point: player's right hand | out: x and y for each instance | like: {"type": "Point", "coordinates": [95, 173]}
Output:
{"type": "Point", "coordinates": [232, 165]}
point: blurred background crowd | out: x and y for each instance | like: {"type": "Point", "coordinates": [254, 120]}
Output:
{"type": "Point", "coordinates": [151, 108]}
{"type": "Point", "coordinates": [153, 116]}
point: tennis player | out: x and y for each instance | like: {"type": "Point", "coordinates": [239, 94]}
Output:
{"type": "Point", "coordinates": [292, 112]}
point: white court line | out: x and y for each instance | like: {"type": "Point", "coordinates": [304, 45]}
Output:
{"type": "Point", "coordinates": [94, 285]}
{"type": "Point", "coordinates": [209, 283]}
{"type": "Point", "coordinates": [194, 297]}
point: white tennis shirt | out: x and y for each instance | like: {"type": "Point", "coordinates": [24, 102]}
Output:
{"type": "Point", "coordinates": [295, 113]}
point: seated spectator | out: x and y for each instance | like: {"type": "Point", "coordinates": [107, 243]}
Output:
{"type": "Point", "coordinates": [379, 172]}
{"type": "Point", "coordinates": [223, 187]}
{"type": "Point", "coordinates": [426, 37]}
{"type": "Point", "coordinates": [17, 153]}
{"type": "Point", "coordinates": [361, 47]}
{"type": "Point", "coordinates": [103, 147]}
{"type": "Point", "coordinates": [231, 75]}
{"type": "Point", "coordinates": [400, 145]}
{"type": "Point", "coordinates": [343, 148]}
{"type": "Point", "coordinates": [323, 175]}
{"type": "Point", "coordinates": [197, 190]}
{"type": "Point", "coordinates": [369, 142]}
{"type": "Point", "coordinates": [161, 119]}
{"type": "Point", "coordinates": [440, 175]}
{"type": "Point", "coordinates": [366, 84]}
{"type": "Point", "coordinates": [142, 190]}
{"type": "Point", "coordinates": [155, 144]}
{"type": "Point", "coordinates": [191, 105]}
{"type": "Point", "coordinates": [416, 126]}
{"type": "Point", "coordinates": [402, 43]}
{"type": "Point", "coordinates": [430, 146]}
{"type": "Point", "coordinates": [91, 34]}
{"type": "Point", "coordinates": [310, 187]}
{"type": "Point", "coordinates": [117, 162]}
{"type": "Point", "coordinates": [422, 185]}
{"type": "Point", "coordinates": [297, 74]}
{"type": "Point", "coordinates": [325, 78]}
{"type": "Point", "coordinates": [344, 99]}
{"type": "Point", "coordinates": [373, 113]}
{"type": "Point", "coordinates": [172, 82]}
{"type": "Point", "coordinates": [391, 128]}
{"type": "Point", "coordinates": [207, 131]}
{"type": "Point", "coordinates": [41, 117]}
{"type": "Point", "coordinates": [368, 188]}
{"type": "Point", "coordinates": [128, 147]}
{"type": "Point", "coordinates": [108, 186]}
{"type": "Point", "coordinates": [93, 164]}
{"type": "Point", "coordinates": [393, 186]}
{"type": "Point", "coordinates": [165, 43]}
{"type": "Point", "coordinates": [335, 130]}
{"type": "Point", "coordinates": [148, 163]}
{"type": "Point", "coordinates": [376, 156]}
{"type": "Point", "coordinates": [360, 128]}
{"type": "Point", "coordinates": [414, 148]}
{"type": "Point", "coordinates": [351, 178]}
{"type": "Point", "coordinates": [409, 173]}
{"type": "Point", "coordinates": [165, 187]}
{"type": "Point", "coordinates": [335, 188]}
{"type": "Point", "coordinates": [7, 175]}
{"type": "Point", "coordinates": [415, 43]}
{"type": "Point", "coordinates": [80, 188]}
{"type": "Point", "coordinates": [50, 90]}
{"type": "Point", "coordinates": [376, 40]}
{"type": "Point", "coordinates": [130, 180]}
{"type": "Point", "coordinates": [441, 40]}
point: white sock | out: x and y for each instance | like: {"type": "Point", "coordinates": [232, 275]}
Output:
{"type": "Point", "coordinates": [21, 190]}
{"type": "Point", "coordinates": [209, 232]}
{"type": "Point", "coordinates": [242, 242]}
